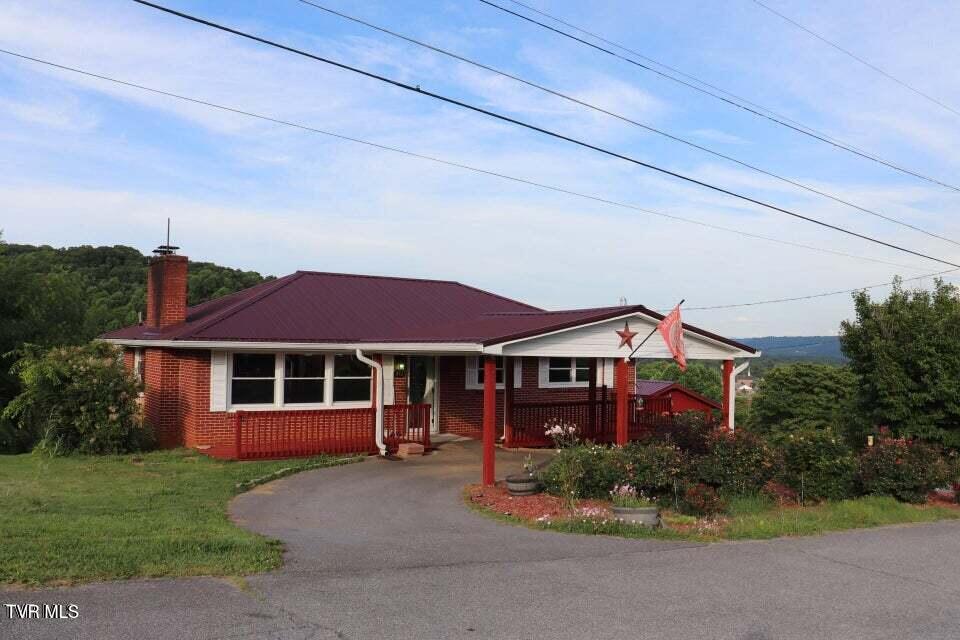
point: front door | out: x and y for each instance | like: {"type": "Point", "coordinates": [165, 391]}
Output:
{"type": "Point", "coordinates": [421, 385]}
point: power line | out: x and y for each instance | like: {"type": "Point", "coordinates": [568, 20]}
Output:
{"type": "Point", "coordinates": [449, 163]}
{"type": "Point", "coordinates": [532, 127]}
{"type": "Point", "coordinates": [803, 129]}
{"type": "Point", "coordinates": [850, 54]}
{"type": "Point", "coordinates": [817, 295]}
{"type": "Point", "coordinates": [493, 174]}
{"type": "Point", "coordinates": [623, 118]}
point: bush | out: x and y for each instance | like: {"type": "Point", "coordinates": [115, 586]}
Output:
{"type": "Point", "coordinates": [793, 397]}
{"type": "Point", "coordinates": [737, 462]}
{"type": "Point", "coordinates": [780, 493]}
{"type": "Point", "coordinates": [689, 431]}
{"type": "Point", "coordinates": [908, 471]}
{"type": "Point", "coordinates": [817, 464]}
{"type": "Point", "coordinates": [703, 500]}
{"type": "Point", "coordinates": [657, 469]}
{"type": "Point", "coordinates": [595, 468]}
{"type": "Point", "coordinates": [78, 399]}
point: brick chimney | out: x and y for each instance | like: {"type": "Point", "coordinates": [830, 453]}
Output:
{"type": "Point", "coordinates": [166, 290]}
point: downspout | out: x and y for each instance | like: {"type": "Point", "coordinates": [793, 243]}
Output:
{"type": "Point", "coordinates": [378, 426]}
{"type": "Point", "coordinates": [733, 391]}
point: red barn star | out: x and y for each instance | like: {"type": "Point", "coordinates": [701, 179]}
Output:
{"type": "Point", "coordinates": [626, 336]}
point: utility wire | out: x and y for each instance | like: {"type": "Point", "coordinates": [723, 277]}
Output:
{"type": "Point", "coordinates": [489, 173]}
{"type": "Point", "coordinates": [623, 118]}
{"type": "Point", "coordinates": [850, 54]}
{"type": "Point", "coordinates": [818, 295]}
{"type": "Point", "coordinates": [450, 163]}
{"type": "Point", "coordinates": [679, 72]}
{"type": "Point", "coordinates": [803, 129]}
{"type": "Point", "coordinates": [532, 127]}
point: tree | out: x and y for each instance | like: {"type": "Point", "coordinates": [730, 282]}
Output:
{"type": "Point", "coordinates": [906, 352]}
{"type": "Point", "coordinates": [801, 396]}
{"type": "Point", "coordinates": [78, 399]}
{"type": "Point", "coordinates": [701, 378]}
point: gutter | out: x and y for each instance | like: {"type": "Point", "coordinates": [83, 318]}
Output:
{"type": "Point", "coordinates": [378, 428]}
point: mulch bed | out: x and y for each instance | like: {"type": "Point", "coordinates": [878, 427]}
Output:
{"type": "Point", "coordinates": [530, 508]}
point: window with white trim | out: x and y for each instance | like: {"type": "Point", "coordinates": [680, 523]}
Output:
{"type": "Point", "coordinates": [253, 379]}
{"type": "Point", "coordinates": [351, 379]}
{"type": "Point", "coordinates": [304, 376]}
{"type": "Point", "coordinates": [264, 381]}
{"type": "Point", "coordinates": [474, 372]}
{"type": "Point", "coordinates": [564, 372]}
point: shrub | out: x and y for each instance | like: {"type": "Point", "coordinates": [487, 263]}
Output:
{"type": "Point", "coordinates": [792, 397]}
{"type": "Point", "coordinates": [703, 500]}
{"type": "Point", "coordinates": [657, 469]}
{"type": "Point", "coordinates": [779, 493]}
{"type": "Point", "coordinates": [737, 462]}
{"type": "Point", "coordinates": [906, 470]}
{"type": "Point", "coordinates": [818, 464]}
{"type": "Point", "coordinates": [78, 399]}
{"type": "Point", "coordinates": [689, 431]}
{"type": "Point", "coordinates": [597, 469]}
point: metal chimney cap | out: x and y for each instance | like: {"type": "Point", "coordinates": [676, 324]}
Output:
{"type": "Point", "coordinates": [165, 250]}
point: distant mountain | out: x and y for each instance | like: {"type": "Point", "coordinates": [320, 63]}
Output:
{"type": "Point", "coordinates": [822, 348]}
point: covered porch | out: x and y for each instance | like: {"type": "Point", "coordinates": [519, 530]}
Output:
{"type": "Point", "coordinates": [607, 415]}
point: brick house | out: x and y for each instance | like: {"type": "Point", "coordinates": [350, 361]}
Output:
{"type": "Point", "coordinates": [325, 362]}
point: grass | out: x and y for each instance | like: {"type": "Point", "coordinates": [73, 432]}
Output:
{"type": "Point", "coordinates": [82, 518]}
{"type": "Point", "coordinates": [751, 518]}
{"type": "Point", "coordinates": [869, 511]}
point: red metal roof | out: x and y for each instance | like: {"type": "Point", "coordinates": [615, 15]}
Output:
{"type": "Point", "coordinates": [310, 306]}
{"type": "Point", "coordinates": [654, 388]}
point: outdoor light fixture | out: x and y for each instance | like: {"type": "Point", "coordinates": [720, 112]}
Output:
{"type": "Point", "coordinates": [400, 368]}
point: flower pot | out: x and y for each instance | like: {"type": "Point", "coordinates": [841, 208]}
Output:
{"type": "Point", "coordinates": [647, 516]}
{"type": "Point", "coordinates": [523, 484]}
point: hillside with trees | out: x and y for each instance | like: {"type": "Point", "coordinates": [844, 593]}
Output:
{"type": "Point", "coordinates": [66, 296]}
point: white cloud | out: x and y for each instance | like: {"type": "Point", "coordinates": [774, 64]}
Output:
{"type": "Point", "coordinates": [87, 162]}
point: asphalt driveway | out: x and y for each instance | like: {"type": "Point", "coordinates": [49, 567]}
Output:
{"type": "Point", "coordinates": [386, 549]}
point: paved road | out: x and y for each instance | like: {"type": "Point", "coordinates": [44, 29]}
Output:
{"type": "Point", "coordinates": [386, 550]}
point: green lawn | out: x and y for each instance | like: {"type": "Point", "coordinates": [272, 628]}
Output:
{"type": "Point", "coordinates": [82, 518]}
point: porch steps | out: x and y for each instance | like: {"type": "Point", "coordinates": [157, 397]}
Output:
{"type": "Point", "coordinates": [409, 449]}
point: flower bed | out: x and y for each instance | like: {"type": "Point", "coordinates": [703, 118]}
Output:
{"type": "Point", "coordinates": [541, 507]}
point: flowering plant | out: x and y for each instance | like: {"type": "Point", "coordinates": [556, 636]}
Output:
{"type": "Point", "coordinates": [624, 495]}
{"type": "Point", "coordinates": [562, 433]}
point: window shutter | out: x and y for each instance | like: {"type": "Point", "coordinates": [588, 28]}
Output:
{"type": "Point", "coordinates": [388, 380]}
{"type": "Point", "coordinates": [218, 381]}
{"type": "Point", "coordinates": [517, 372]}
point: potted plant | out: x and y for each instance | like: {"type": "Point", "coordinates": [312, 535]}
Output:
{"type": "Point", "coordinates": [526, 483]}
{"type": "Point", "coordinates": [634, 507]}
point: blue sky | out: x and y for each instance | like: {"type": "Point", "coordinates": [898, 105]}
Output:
{"type": "Point", "coordinates": [87, 162]}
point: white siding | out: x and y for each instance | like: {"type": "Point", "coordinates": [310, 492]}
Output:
{"type": "Point", "coordinates": [600, 341]}
{"type": "Point", "coordinates": [218, 381]}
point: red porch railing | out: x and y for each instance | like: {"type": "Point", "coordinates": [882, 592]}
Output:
{"type": "Point", "coordinates": [288, 434]}
{"type": "Point", "coordinates": [282, 434]}
{"type": "Point", "coordinates": [596, 421]}
{"type": "Point", "coordinates": [406, 423]}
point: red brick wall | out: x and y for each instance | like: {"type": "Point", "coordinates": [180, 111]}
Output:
{"type": "Point", "coordinates": [128, 359]}
{"type": "Point", "coordinates": [177, 405]}
{"type": "Point", "coordinates": [161, 395]}
{"type": "Point", "coordinates": [177, 400]}
{"type": "Point", "coordinates": [461, 409]}
{"type": "Point", "coordinates": [166, 291]}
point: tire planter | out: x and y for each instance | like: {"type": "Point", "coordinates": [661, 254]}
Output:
{"type": "Point", "coordinates": [646, 516]}
{"type": "Point", "coordinates": [523, 484]}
